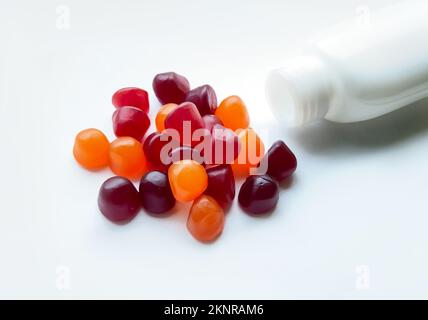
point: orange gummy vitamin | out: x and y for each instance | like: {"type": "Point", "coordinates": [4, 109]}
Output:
{"type": "Point", "coordinates": [162, 114]}
{"type": "Point", "coordinates": [206, 219]}
{"type": "Point", "coordinates": [91, 149]}
{"type": "Point", "coordinates": [127, 158]}
{"type": "Point", "coordinates": [188, 180]}
{"type": "Point", "coordinates": [252, 151]}
{"type": "Point", "coordinates": [233, 113]}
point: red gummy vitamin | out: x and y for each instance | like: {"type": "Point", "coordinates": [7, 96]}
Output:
{"type": "Point", "coordinates": [186, 153]}
{"type": "Point", "coordinates": [281, 161]}
{"type": "Point", "coordinates": [225, 146]}
{"type": "Point", "coordinates": [204, 98]}
{"type": "Point", "coordinates": [258, 194]}
{"type": "Point", "coordinates": [118, 200]}
{"type": "Point", "coordinates": [130, 122]}
{"type": "Point", "coordinates": [131, 97]}
{"type": "Point", "coordinates": [210, 121]}
{"type": "Point", "coordinates": [170, 87]}
{"type": "Point", "coordinates": [157, 148]}
{"type": "Point", "coordinates": [221, 185]}
{"type": "Point", "coordinates": [184, 120]}
{"type": "Point", "coordinates": [155, 193]}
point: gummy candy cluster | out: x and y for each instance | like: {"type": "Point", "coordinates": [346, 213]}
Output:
{"type": "Point", "coordinates": [198, 150]}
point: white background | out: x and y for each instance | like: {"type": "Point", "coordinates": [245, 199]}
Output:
{"type": "Point", "coordinates": [353, 224]}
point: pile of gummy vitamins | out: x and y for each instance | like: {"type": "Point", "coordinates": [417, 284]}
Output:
{"type": "Point", "coordinates": [198, 150]}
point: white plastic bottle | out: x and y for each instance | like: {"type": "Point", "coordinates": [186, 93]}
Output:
{"type": "Point", "coordinates": [356, 73]}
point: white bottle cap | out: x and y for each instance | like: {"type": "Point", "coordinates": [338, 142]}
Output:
{"type": "Point", "coordinates": [301, 92]}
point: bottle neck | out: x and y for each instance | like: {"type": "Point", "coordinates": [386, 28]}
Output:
{"type": "Point", "coordinates": [301, 92]}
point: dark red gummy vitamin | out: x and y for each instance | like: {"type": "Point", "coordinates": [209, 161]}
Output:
{"type": "Point", "coordinates": [210, 121]}
{"type": "Point", "coordinates": [118, 199]}
{"type": "Point", "coordinates": [185, 120]}
{"type": "Point", "coordinates": [157, 147]}
{"type": "Point", "coordinates": [281, 161]}
{"type": "Point", "coordinates": [221, 185]}
{"type": "Point", "coordinates": [258, 194]}
{"type": "Point", "coordinates": [225, 146]}
{"type": "Point", "coordinates": [186, 153]}
{"type": "Point", "coordinates": [155, 193]}
{"type": "Point", "coordinates": [130, 122]}
{"type": "Point", "coordinates": [204, 98]}
{"type": "Point", "coordinates": [131, 97]}
{"type": "Point", "coordinates": [170, 87]}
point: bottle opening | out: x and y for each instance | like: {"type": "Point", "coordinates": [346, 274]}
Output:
{"type": "Point", "coordinates": [281, 100]}
{"type": "Point", "coordinates": [299, 93]}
